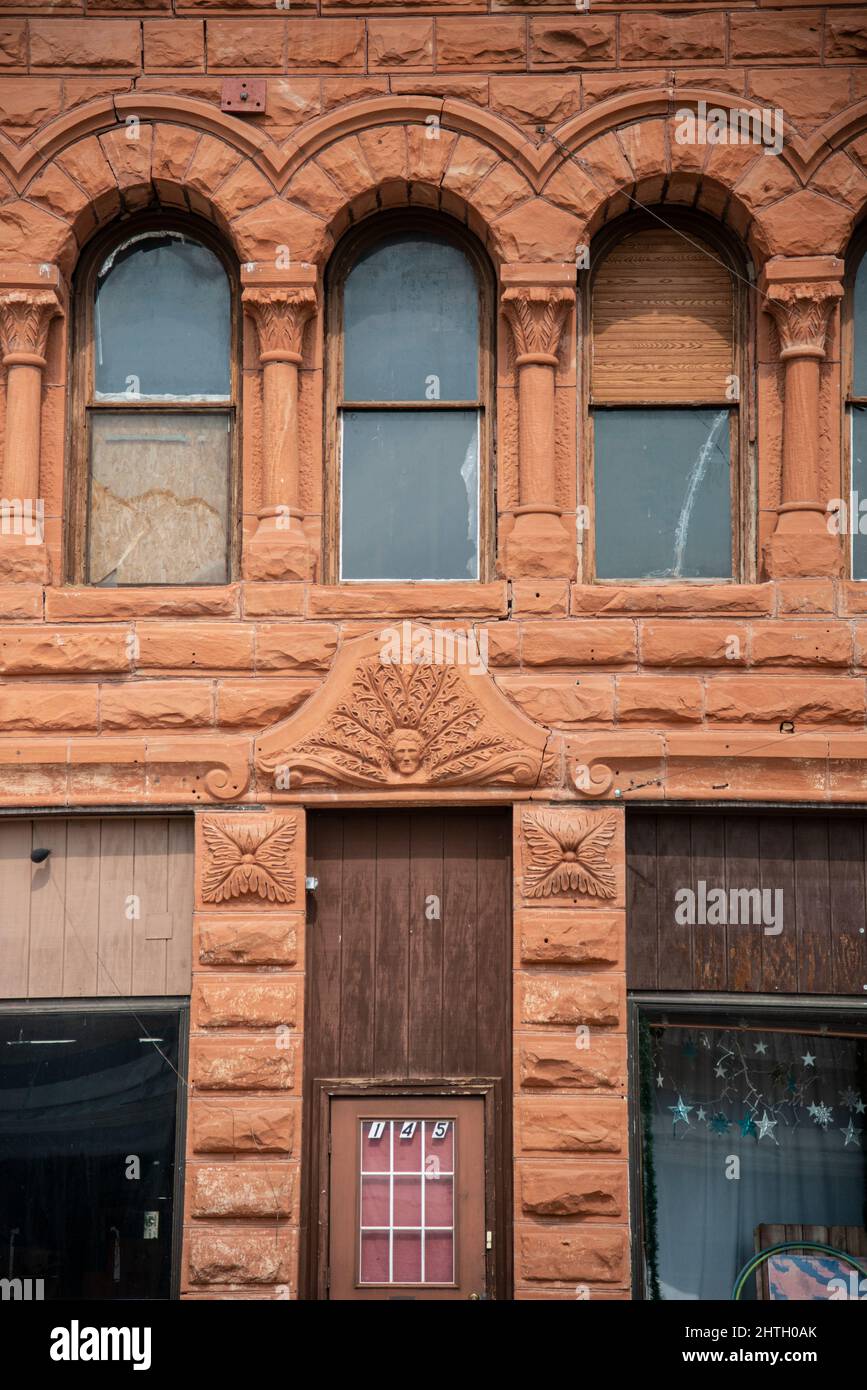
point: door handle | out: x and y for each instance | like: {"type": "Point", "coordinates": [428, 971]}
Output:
{"type": "Point", "coordinates": [474, 1297]}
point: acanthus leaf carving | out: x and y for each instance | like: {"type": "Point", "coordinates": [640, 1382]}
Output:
{"type": "Point", "coordinates": [566, 852]}
{"type": "Point", "coordinates": [280, 315]}
{"type": "Point", "coordinates": [248, 858]}
{"type": "Point", "coordinates": [536, 315]}
{"type": "Point", "coordinates": [25, 317]}
{"type": "Point", "coordinates": [802, 313]}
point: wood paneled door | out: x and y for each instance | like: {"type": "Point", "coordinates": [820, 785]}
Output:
{"type": "Point", "coordinates": [408, 1026]}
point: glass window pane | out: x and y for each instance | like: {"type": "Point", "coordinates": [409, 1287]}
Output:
{"type": "Point", "coordinates": [79, 1093]}
{"type": "Point", "coordinates": [159, 497]}
{"type": "Point", "coordinates": [790, 1106]}
{"type": "Point", "coordinates": [855, 516]}
{"type": "Point", "coordinates": [411, 323]}
{"type": "Point", "coordinates": [859, 316]}
{"type": "Point", "coordinates": [162, 321]}
{"type": "Point", "coordinates": [410, 494]}
{"type": "Point", "coordinates": [663, 494]}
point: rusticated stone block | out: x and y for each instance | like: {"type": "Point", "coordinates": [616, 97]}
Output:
{"type": "Point", "coordinates": [242, 1257]}
{"type": "Point", "coordinates": [242, 1190]}
{"type": "Point", "coordinates": [599, 1002]}
{"type": "Point", "coordinates": [244, 1066]}
{"type": "Point", "coordinates": [579, 1126]}
{"type": "Point", "coordinates": [248, 941]}
{"type": "Point", "coordinates": [549, 1063]}
{"type": "Point", "coordinates": [244, 1003]}
{"type": "Point", "coordinates": [572, 938]}
{"type": "Point", "coordinates": [574, 1189]}
{"type": "Point", "coordinates": [242, 1128]}
{"type": "Point", "coordinates": [579, 1253]}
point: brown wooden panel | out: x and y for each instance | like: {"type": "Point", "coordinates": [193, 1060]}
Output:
{"type": "Point", "coordinates": [47, 904]}
{"type": "Point", "coordinates": [179, 947]}
{"type": "Point", "coordinates": [460, 918]}
{"type": "Point", "coordinates": [663, 322]}
{"type": "Point", "coordinates": [818, 863]}
{"type": "Point", "coordinates": [15, 874]}
{"type": "Point", "coordinates": [82, 908]}
{"type": "Point", "coordinates": [392, 925]}
{"type": "Point", "coordinates": [425, 1021]}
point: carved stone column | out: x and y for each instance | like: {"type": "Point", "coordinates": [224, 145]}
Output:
{"type": "Point", "coordinates": [29, 300]}
{"type": "Point", "coordinates": [280, 312]}
{"type": "Point", "coordinates": [537, 314]}
{"type": "Point", "coordinates": [801, 294]}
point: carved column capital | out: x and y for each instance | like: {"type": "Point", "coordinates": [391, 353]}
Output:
{"type": "Point", "coordinates": [802, 313]}
{"type": "Point", "coordinates": [25, 317]}
{"type": "Point", "coordinates": [537, 315]}
{"type": "Point", "coordinates": [280, 315]}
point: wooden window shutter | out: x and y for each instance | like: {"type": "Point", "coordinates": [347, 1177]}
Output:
{"type": "Point", "coordinates": [663, 323]}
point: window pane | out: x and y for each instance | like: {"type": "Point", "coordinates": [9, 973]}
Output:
{"type": "Point", "coordinates": [162, 321]}
{"type": "Point", "coordinates": [855, 517]}
{"type": "Point", "coordinates": [159, 497]}
{"type": "Point", "coordinates": [79, 1094]}
{"type": "Point", "coordinates": [410, 494]}
{"type": "Point", "coordinates": [663, 494]}
{"type": "Point", "coordinates": [411, 323]}
{"type": "Point", "coordinates": [790, 1107]}
{"type": "Point", "coordinates": [859, 316]}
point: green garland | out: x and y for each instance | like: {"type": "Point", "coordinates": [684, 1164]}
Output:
{"type": "Point", "coordinates": [651, 1242]}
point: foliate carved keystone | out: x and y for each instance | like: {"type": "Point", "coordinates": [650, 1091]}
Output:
{"type": "Point", "coordinates": [25, 317]}
{"type": "Point", "coordinates": [537, 316]}
{"type": "Point", "coordinates": [802, 314]}
{"type": "Point", "coordinates": [280, 316]}
{"type": "Point", "coordinates": [248, 858]}
{"type": "Point", "coordinates": [565, 853]}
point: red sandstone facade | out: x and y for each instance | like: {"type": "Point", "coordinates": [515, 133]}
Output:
{"type": "Point", "coordinates": [535, 127]}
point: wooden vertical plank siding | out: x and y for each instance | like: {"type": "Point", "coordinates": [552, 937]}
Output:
{"type": "Point", "coordinates": [76, 926]}
{"type": "Point", "coordinates": [818, 862]}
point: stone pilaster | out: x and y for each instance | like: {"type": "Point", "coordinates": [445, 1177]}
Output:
{"type": "Point", "coordinates": [571, 1135]}
{"type": "Point", "coordinates": [241, 1218]}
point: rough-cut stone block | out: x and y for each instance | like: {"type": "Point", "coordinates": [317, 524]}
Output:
{"type": "Point", "coordinates": [580, 1254]}
{"type": "Point", "coordinates": [242, 1190]}
{"type": "Point", "coordinates": [546, 1063]}
{"type": "Point", "coordinates": [249, 1128]}
{"type": "Point", "coordinates": [570, 999]}
{"type": "Point", "coordinates": [573, 1189]}
{"type": "Point", "coordinates": [264, 1065]}
{"type": "Point", "coordinates": [572, 938]}
{"type": "Point", "coordinates": [242, 1257]}
{"type": "Point", "coordinates": [243, 1002]}
{"type": "Point", "coordinates": [248, 940]}
{"type": "Point", "coordinates": [572, 1126]}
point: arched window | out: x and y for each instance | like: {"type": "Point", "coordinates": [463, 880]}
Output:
{"type": "Point", "coordinates": [152, 496]}
{"type": "Point", "coordinates": [856, 395]}
{"type": "Point", "coordinates": [665, 387]}
{"type": "Point", "coordinates": [409, 390]}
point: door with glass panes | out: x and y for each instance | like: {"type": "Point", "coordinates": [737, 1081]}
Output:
{"type": "Point", "coordinates": [406, 1190]}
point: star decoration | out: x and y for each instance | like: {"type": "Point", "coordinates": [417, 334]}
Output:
{"type": "Point", "coordinates": [809, 1059]}
{"type": "Point", "coordinates": [719, 1070]}
{"type": "Point", "coordinates": [852, 1135]}
{"type": "Point", "coordinates": [747, 1126]}
{"type": "Point", "coordinates": [821, 1114]}
{"type": "Point", "coordinates": [849, 1098]}
{"type": "Point", "coordinates": [720, 1124]}
{"type": "Point", "coordinates": [860, 1106]}
{"type": "Point", "coordinates": [680, 1112]}
{"type": "Point", "coordinates": [701, 1113]}
{"type": "Point", "coordinates": [659, 1079]}
{"type": "Point", "coordinates": [761, 1048]}
{"type": "Point", "coordinates": [766, 1127]}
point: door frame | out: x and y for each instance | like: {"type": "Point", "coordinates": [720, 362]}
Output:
{"type": "Point", "coordinates": [316, 1190]}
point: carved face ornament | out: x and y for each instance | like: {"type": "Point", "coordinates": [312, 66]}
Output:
{"type": "Point", "coordinates": [405, 751]}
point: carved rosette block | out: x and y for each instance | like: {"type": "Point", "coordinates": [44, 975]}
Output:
{"type": "Point", "coordinates": [801, 295]}
{"type": "Point", "coordinates": [537, 315]}
{"type": "Point", "coordinates": [280, 548]}
{"type": "Point", "coordinates": [249, 858]}
{"type": "Point", "coordinates": [571, 854]}
{"type": "Point", "coordinates": [388, 726]}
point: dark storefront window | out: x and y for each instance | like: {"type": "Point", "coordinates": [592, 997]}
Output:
{"type": "Point", "coordinates": [754, 1132]}
{"type": "Point", "coordinates": [88, 1142]}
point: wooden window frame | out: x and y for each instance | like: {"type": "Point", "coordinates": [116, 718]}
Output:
{"type": "Point", "coordinates": [742, 414]}
{"type": "Point", "coordinates": [856, 260]}
{"type": "Point", "coordinates": [373, 230]}
{"type": "Point", "coordinates": [840, 1016]}
{"type": "Point", "coordinates": [81, 375]}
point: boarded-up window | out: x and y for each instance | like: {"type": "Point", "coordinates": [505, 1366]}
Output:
{"type": "Point", "coordinates": [664, 394]}
{"type": "Point", "coordinates": [158, 412]}
{"type": "Point", "coordinates": [107, 912]}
